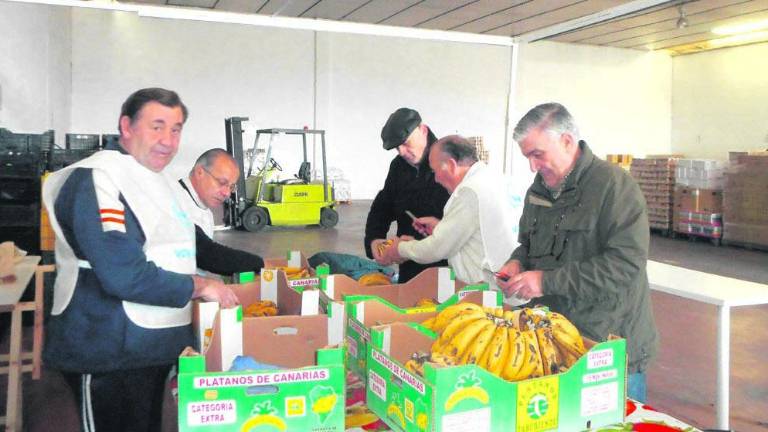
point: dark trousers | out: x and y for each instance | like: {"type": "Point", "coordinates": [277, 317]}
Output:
{"type": "Point", "coordinates": [125, 400]}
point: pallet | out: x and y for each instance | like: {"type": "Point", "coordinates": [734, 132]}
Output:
{"type": "Point", "coordinates": [664, 232]}
{"type": "Point", "coordinates": [717, 241]}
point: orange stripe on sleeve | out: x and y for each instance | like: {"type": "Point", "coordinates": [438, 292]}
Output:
{"type": "Point", "coordinates": [112, 211]}
{"type": "Point", "coordinates": [115, 220]}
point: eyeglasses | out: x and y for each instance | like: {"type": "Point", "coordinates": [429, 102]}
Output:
{"type": "Point", "coordinates": [224, 183]}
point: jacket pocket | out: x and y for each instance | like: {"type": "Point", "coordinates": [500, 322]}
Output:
{"type": "Point", "coordinates": [573, 235]}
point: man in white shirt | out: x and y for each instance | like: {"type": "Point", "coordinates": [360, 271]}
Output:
{"type": "Point", "coordinates": [210, 183]}
{"type": "Point", "coordinates": [478, 229]}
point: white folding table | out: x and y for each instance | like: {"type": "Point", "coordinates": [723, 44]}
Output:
{"type": "Point", "coordinates": [723, 292]}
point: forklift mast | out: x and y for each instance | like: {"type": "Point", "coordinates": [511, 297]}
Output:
{"type": "Point", "coordinates": [233, 207]}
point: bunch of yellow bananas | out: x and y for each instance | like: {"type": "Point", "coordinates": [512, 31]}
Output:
{"type": "Point", "coordinates": [261, 308]}
{"type": "Point", "coordinates": [374, 278]}
{"type": "Point", "coordinates": [294, 272]}
{"type": "Point", "coordinates": [514, 345]}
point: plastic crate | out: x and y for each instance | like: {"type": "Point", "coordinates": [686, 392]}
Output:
{"type": "Point", "coordinates": [19, 190]}
{"type": "Point", "coordinates": [65, 157]}
{"type": "Point", "coordinates": [82, 141]}
{"type": "Point", "coordinates": [20, 143]}
{"type": "Point", "coordinates": [20, 215]}
{"type": "Point", "coordinates": [107, 139]}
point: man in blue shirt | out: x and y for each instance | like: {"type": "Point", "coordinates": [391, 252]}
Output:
{"type": "Point", "coordinates": [125, 256]}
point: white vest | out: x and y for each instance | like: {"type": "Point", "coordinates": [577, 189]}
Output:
{"type": "Point", "coordinates": [190, 202]}
{"type": "Point", "coordinates": [500, 208]}
{"type": "Point", "coordinates": [170, 235]}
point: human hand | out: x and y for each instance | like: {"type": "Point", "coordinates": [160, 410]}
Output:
{"type": "Point", "coordinates": [392, 255]}
{"type": "Point", "coordinates": [527, 285]}
{"type": "Point", "coordinates": [378, 246]}
{"type": "Point", "coordinates": [503, 277]}
{"type": "Point", "coordinates": [214, 290]}
{"type": "Point", "coordinates": [425, 224]}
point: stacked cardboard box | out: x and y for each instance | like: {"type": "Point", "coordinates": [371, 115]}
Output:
{"type": "Point", "coordinates": [482, 153]}
{"type": "Point", "coordinates": [699, 197]}
{"type": "Point", "coordinates": [745, 200]}
{"type": "Point", "coordinates": [656, 177]}
{"type": "Point", "coordinates": [622, 160]}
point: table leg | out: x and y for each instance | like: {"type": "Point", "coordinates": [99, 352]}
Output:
{"type": "Point", "coordinates": [723, 365]}
{"type": "Point", "coordinates": [13, 404]}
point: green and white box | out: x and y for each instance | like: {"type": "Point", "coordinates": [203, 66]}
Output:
{"type": "Point", "coordinates": [364, 312]}
{"type": "Point", "coordinates": [468, 398]}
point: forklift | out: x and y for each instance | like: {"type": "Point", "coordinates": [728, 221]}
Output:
{"type": "Point", "coordinates": [260, 200]}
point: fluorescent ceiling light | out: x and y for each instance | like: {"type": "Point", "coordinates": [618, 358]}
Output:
{"type": "Point", "coordinates": [741, 28]}
{"type": "Point", "coordinates": [194, 14]}
{"type": "Point", "coordinates": [740, 39]}
{"type": "Point", "coordinates": [319, 25]}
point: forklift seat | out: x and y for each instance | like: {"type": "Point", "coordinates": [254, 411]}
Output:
{"type": "Point", "coordinates": [303, 177]}
{"type": "Point", "coordinates": [305, 172]}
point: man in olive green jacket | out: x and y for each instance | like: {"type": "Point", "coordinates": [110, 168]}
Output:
{"type": "Point", "coordinates": [583, 240]}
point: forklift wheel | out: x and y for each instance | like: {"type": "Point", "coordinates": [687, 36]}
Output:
{"type": "Point", "coordinates": [254, 219]}
{"type": "Point", "coordinates": [328, 217]}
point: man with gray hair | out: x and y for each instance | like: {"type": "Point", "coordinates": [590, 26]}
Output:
{"type": "Point", "coordinates": [210, 182]}
{"type": "Point", "coordinates": [583, 240]}
{"type": "Point", "coordinates": [476, 233]}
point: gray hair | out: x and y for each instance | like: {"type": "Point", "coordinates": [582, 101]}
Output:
{"type": "Point", "coordinates": [550, 116]}
{"type": "Point", "coordinates": [207, 159]}
{"type": "Point", "coordinates": [457, 148]}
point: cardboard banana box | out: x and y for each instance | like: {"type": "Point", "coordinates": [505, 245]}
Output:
{"type": "Point", "coordinates": [297, 269]}
{"type": "Point", "coordinates": [272, 285]}
{"type": "Point", "coordinates": [305, 392]}
{"type": "Point", "coordinates": [466, 397]}
{"type": "Point", "coordinates": [364, 312]}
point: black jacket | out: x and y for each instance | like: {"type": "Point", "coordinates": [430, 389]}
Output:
{"type": "Point", "coordinates": [406, 188]}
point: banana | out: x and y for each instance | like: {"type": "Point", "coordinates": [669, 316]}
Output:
{"type": "Point", "coordinates": [532, 366]}
{"type": "Point", "coordinates": [460, 343]}
{"type": "Point", "coordinates": [516, 356]}
{"type": "Point", "coordinates": [567, 339]}
{"type": "Point", "coordinates": [415, 366]}
{"type": "Point", "coordinates": [448, 314]}
{"type": "Point", "coordinates": [261, 308]}
{"type": "Point", "coordinates": [477, 344]}
{"type": "Point", "coordinates": [507, 316]}
{"type": "Point", "coordinates": [498, 312]}
{"type": "Point", "coordinates": [550, 355]}
{"type": "Point", "coordinates": [456, 325]}
{"type": "Point", "coordinates": [442, 359]}
{"type": "Point", "coordinates": [499, 350]}
{"type": "Point", "coordinates": [515, 319]}
{"type": "Point", "coordinates": [429, 323]}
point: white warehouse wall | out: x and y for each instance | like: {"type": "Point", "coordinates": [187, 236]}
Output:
{"type": "Point", "coordinates": [456, 87]}
{"type": "Point", "coordinates": [35, 72]}
{"type": "Point", "coordinates": [348, 84]}
{"type": "Point", "coordinates": [718, 102]}
{"type": "Point", "coordinates": [621, 98]}
{"type": "Point", "coordinates": [219, 70]}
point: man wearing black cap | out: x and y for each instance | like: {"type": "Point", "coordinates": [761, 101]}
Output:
{"type": "Point", "coordinates": [410, 185]}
